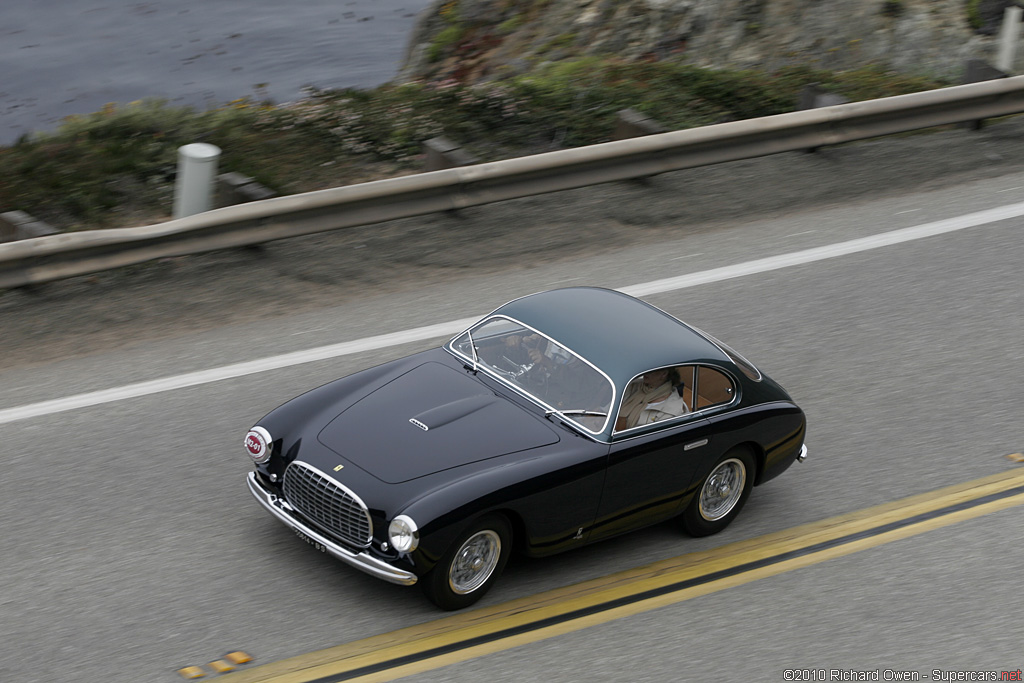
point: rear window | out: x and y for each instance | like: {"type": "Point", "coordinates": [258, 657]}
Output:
{"type": "Point", "coordinates": [745, 366]}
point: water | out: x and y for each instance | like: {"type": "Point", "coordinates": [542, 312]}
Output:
{"type": "Point", "coordinates": [62, 57]}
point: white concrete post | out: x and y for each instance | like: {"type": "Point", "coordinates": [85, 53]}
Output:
{"type": "Point", "coordinates": [197, 171]}
{"type": "Point", "coordinates": [1009, 34]}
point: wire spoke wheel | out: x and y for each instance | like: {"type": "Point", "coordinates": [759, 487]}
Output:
{"type": "Point", "coordinates": [474, 562]}
{"type": "Point", "coordinates": [722, 489]}
{"type": "Point", "coordinates": [471, 565]}
{"type": "Point", "coordinates": [722, 494]}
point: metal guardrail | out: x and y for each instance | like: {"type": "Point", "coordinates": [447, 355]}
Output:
{"type": "Point", "coordinates": [59, 256]}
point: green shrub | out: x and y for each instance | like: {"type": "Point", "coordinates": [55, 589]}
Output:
{"type": "Point", "coordinates": [443, 40]}
{"type": "Point", "coordinates": [974, 14]}
{"type": "Point", "coordinates": [511, 25]}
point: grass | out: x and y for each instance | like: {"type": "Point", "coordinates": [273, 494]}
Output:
{"type": "Point", "coordinates": [117, 165]}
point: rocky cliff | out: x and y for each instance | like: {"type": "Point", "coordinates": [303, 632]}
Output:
{"type": "Point", "coordinates": [469, 40]}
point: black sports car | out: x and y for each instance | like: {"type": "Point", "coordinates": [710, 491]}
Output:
{"type": "Point", "coordinates": [560, 419]}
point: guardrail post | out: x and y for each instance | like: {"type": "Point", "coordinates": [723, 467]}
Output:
{"type": "Point", "coordinates": [235, 188]}
{"type": "Point", "coordinates": [976, 71]}
{"type": "Point", "coordinates": [18, 225]}
{"type": "Point", "coordinates": [814, 97]}
{"type": "Point", "coordinates": [1009, 34]}
{"type": "Point", "coordinates": [630, 123]}
{"type": "Point", "coordinates": [193, 188]}
{"type": "Point", "coordinates": [442, 153]}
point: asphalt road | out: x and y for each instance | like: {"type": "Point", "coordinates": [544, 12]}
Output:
{"type": "Point", "coordinates": [131, 547]}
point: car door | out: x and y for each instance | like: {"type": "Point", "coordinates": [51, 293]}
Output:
{"type": "Point", "coordinates": [651, 467]}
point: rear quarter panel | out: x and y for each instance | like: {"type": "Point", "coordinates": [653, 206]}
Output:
{"type": "Point", "coordinates": [775, 430]}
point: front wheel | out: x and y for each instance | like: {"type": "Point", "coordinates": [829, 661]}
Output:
{"type": "Point", "coordinates": [471, 565]}
{"type": "Point", "coordinates": [722, 494]}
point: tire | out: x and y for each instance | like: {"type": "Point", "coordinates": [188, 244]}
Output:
{"type": "Point", "coordinates": [722, 494]}
{"type": "Point", "coordinates": [471, 566]}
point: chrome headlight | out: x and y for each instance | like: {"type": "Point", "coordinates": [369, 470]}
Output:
{"type": "Point", "coordinates": [258, 444]}
{"type": "Point", "coordinates": [404, 534]}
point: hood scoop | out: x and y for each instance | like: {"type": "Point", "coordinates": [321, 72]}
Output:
{"type": "Point", "coordinates": [449, 412]}
{"type": "Point", "coordinates": [430, 419]}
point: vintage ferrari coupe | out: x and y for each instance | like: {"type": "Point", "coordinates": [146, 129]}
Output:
{"type": "Point", "coordinates": [561, 418]}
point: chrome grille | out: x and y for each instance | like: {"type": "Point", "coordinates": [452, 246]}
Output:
{"type": "Point", "coordinates": [326, 502]}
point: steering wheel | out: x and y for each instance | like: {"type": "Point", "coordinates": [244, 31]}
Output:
{"type": "Point", "coordinates": [517, 370]}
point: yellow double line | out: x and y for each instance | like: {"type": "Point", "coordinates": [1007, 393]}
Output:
{"type": "Point", "coordinates": [472, 634]}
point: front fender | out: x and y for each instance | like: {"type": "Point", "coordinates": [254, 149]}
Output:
{"type": "Point", "coordinates": [550, 493]}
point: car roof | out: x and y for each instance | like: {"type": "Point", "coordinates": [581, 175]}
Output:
{"type": "Point", "coordinates": [621, 335]}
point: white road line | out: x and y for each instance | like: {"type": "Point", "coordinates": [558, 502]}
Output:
{"type": "Point", "coordinates": [253, 367]}
{"type": "Point", "coordinates": [796, 258]}
{"type": "Point", "coordinates": [448, 329]}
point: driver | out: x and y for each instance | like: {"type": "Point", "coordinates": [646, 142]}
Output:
{"type": "Point", "coordinates": [528, 348]}
{"type": "Point", "coordinates": [564, 380]}
{"type": "Point", "coordinates": [538, 350]}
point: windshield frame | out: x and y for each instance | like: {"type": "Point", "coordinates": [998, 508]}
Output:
{"type": "Point", "coordinates": [479, 365]}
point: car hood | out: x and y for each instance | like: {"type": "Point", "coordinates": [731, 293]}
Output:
{"type": "Point", "coordinates": [429, 419]}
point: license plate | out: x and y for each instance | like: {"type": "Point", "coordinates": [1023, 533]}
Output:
{"type": "Point", "coordinates": [319, 546]}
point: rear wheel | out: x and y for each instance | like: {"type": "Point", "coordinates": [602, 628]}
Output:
{"type": "Point", "coordinates": [722, 494]}
{"type": "Point", "coordinates": [471, 565]}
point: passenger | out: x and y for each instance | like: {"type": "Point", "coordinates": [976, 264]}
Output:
{"type": "Point", "coordinates": [671, 407]}
{"type": "Point", "coordinates": [649, 398]}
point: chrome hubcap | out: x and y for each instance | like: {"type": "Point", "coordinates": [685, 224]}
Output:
{"type": "Point", "coordinates": [475, 562]}
{"type": "Point", "coordinates": [723, 489]}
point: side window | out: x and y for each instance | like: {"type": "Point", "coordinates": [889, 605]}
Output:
{"type": "Point", "coordinates": [655, 396]}
{"type": "Point", "coordinates": [713, 388]}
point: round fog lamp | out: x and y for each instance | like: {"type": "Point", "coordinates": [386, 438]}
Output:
{"type": "Point", "coordinates": [257, 444]}
{"type": "Point", "coordinates": [403, 534]}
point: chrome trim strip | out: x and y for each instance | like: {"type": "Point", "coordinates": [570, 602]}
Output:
{"type": "Point", "coordinates": [472, 345]}
{"type": "Point", "coordinates": [361, 561]}
{"type": "Point", "coordinates": [802, 455]}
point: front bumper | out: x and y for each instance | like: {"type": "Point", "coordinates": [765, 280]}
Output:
{"type": "Point", "coordinates": [278, 507]}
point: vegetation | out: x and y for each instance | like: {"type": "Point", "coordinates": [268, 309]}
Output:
{"type": "Point", "coordinates": [116, 167]}
{"type": "Point", "coordinates": [974, 14]}
{"type": "Point", "coordinates": [450, 35]}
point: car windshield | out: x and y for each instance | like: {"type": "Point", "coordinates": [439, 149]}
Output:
{"type": "Point", "coordinates": [540, 367]}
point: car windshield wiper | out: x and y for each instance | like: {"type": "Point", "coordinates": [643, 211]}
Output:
{"type": "Point", "coordinates": [561, 415]}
